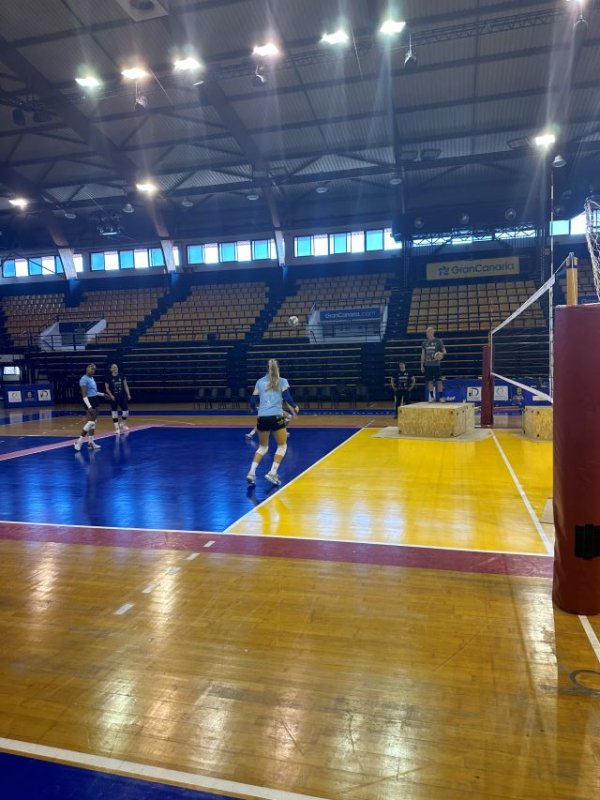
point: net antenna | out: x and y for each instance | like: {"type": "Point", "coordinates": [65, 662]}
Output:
{"type": "Point", "coordinates": [592, 235]}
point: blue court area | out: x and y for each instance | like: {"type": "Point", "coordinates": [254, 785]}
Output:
{"type": "Point", "coordinates": [31, 779]}
{"type": "Point", "coordinates": [189, 479]}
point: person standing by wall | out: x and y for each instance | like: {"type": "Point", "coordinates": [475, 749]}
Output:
{"type": "Point", "coordinates": [432, 353]}
{"type": "Point", "coordinates": [402, 383]}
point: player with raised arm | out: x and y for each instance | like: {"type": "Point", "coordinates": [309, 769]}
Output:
{"type": "Point", "coordinates": [432, 352]}
{"type": "Point", "coordinates": [91, 400]}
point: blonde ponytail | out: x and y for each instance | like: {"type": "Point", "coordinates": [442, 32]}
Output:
{"type": "Point", "coordinates": [273, 375]}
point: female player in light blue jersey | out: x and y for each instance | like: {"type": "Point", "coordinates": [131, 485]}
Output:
{"type": "Point", "coordinates": [91, 400]}
{"type": "Point", "coordinates": [269, 394]}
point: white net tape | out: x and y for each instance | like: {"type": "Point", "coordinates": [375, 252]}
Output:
{"type": "Point", "coordinates": [592, 235]}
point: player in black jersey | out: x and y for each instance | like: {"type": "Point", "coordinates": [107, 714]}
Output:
{"type": "Point", "coordinates": [119, 395]}
{"type": "Point", "coordinates": [402, 383]}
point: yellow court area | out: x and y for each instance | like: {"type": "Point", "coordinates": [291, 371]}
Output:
{"type": "Point", "coordinates": [449, 494]}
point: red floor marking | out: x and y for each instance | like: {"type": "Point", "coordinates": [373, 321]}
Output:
{"type": "Point", "coordinates": [69, 443]}
{"type": "Point", "coordinates": [533, 566]}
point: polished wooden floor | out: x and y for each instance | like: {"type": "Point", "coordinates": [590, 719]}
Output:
{"type": "Point", "coordinates": [357, 662]}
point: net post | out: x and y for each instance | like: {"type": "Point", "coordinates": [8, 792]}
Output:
{"type": "Point", "coordinates": [487, 386]}
{"type": "Point", "coordinates": [572, 281]}
{"type": "Point", "coordinates": [576, 585]}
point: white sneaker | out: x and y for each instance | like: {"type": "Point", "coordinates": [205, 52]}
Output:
{"type": "Point", "coordinates": [273, 478]}
{"type": "Point", "coordinates": [124, 428]}
{"type": "Point", "coordinates": [249, 435]}
{"type": "Point", "coordinates": [117, 431]}
{"type": "Point", "coordinates": [77, 446]}
{"type": "Point", "coordinates": [251, 478]}
{"type": "Point", "coordinates": [94, 446]}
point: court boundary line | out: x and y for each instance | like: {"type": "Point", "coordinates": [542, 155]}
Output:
{"type": "Point", "coordinates": [293, 481]}
{"type": "Point", "coordinates": [591, 634]}
{"type": "Point", "coordinates": [146, 772]}
{"type": "Point", "coordinates": [273, 538]}
{"type": "Point", "coordinates": [537, 524]}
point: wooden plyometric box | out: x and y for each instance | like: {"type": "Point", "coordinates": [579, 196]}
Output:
{"type": "Point", "coordinates": [537, 422]}
{"type": "Point", "coordinates": [436, 420]}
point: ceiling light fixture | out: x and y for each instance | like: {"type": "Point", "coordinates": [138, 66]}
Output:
{"type": "Point", "coordinates": [69, 215]}
{"type": "Point", "coordinates": [19, 202]}
{"type": "Point", "coordinates": [252, 196]}
{"type": "Point", "coordinates": [135, 74]}
{"type": "Point", "coordinates": [396, 180]}
{"type": "Point", "coordinates": [147, 187]}
{"type": "Point", "coordinates": [410, 59]}
{"type": "Point", "coordinates": [322, 189]}
{"type": "Point", "coordinates": [259, 78]}
{"type": "Point", "coordinates": [268, 50]}
{"type": "Point", "coordinates": [128, 208]}
{"type": "Point", "coordinates": [339, 37]}
{"type": "Point", "coordinates": [188, 64]}
{"type": "Point", "coordinates": [510, 215]}
{"type": "Point", "coordinates": [559, 161]}
{"type": "Point", "coordinates": [141, 101]}
{"type": "Point", "coordinates": [392, 27]}
{"type": "Point", "coordinates": [545, 140]}
{"type": "Point", "coordinates": [186, 203]}
{"type": "Point", "coordinates": [88, 82]}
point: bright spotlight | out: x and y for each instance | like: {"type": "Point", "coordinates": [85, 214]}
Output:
{"type": "Point", "coordinates": [188, 64]}
{"type": "Point", "coordinates": [392, 27]}
{"type": "Point", "coordinates": [19, 202]}
{"type": "Point", "coordinates": [339, 37]}
{"type": "Point", "coordinates": [135, 74]}
{"type": "Point", "coordinates": [88, 82]}
{"type": "Point", "coordinates": [147, 188]}
{"type": "Point", "coordinates": [545, 140]}
{"type": "Point", "coordinates": [268, 50]}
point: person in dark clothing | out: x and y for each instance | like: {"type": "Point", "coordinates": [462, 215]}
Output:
{"type": "Point", "coordinates": [117, 391]}
{"type": "Point", "coordinates": [402, 383]}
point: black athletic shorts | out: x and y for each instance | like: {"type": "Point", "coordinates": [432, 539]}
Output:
{"type": "Point", "coordinates": [433, 372]}
{"type": "Point", "coordinates": [119, 403]}
{"type": "Point", "coordinates": [94, 401]}
{"type": "Point", "coordinates": [271, 423]}
{"type": "Point", "coordinates": [402, 397]}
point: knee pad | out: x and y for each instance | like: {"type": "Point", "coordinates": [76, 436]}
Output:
{"type": "Point", "coordinates": [89, 426]}
{"type": "Point", "coordinates": [262, 449]}
{"type": "Point", "coordinates": [115, 416]}
{"type": "Point", "coordinates": [124, 414]}
{"type": "Point", "coordinates": [281, 450]}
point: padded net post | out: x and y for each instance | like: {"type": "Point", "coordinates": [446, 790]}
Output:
{"type": "Point", "coordinates": [487, 388]}
{"type": "Point", "coordinates": [576, 461]}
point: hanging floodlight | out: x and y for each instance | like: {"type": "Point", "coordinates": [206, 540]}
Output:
{"type": "Point", "coordinates": [558, 161]}
{"type": "Point", "coordinates": [189, 64]}
{"type": "Point", "coordinates": [545, 140]}
{"type": "Point", "coordinates": [135, 74]}
{"type": "Point", "coordinates": [392, 27]}
{"type": "Point", "coordinates": [339, 37]}
{"type": "Point", "coordinates": [268, 50]}
{"type": "Point", "coordinates": [19, 202]}
{"type": "Point", "coordinates": [88, 82]}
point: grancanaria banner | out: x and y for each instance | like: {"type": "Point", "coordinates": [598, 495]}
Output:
{"type": "Point", "coordinates": [474, 269]}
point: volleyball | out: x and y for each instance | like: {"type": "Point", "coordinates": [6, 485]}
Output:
{"type": "Point", "coordinates": [293, 320]}
{"type": "Point", "coordinates": [438, 356]}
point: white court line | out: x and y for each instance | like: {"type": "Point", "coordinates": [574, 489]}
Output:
{"type": "Point", "coordinates": [287, 485]}
{"type": "Point", "coordinates": [124, 609]}
{"type": "Point", "coordinates": [591, 634]}
{"type": "Point", "coordinates": [290, 539]}
{"type": "Point", "coordinates": [537, 524]}
{"type": "Point", "coordinates": [150, 588]}
{"type": "Point", "coordinates": [173, 570]}
{"type": "Point", "coordinates": [147, 772]}
{"type": "Point", "coordinates": [193, 556]}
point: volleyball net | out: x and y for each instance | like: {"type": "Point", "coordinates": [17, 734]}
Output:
{"type": "Point", "coordinates": [522, 344]}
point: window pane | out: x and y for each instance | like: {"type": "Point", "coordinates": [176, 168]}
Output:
{"type": "Point", "coordinates": [321, 244]}
{"type": "Point", "coordinates": [227, 251]}
{"type": "Point", "coordinates": [35, 266]}
{"type": "Point", "coordinates": [78, 259]}
{"type": "Point", "coordinates": [21, 267]}
{"type": "Point", "coordinates": [244, 251]}
{"type": "Point", "coordinates": [272, 249]}
{"type": "Point", "coordinates": [97, 261]}
{"type": "Point", "coordinates": [374, 240]}
{"type": "Point", "coordinates": [157, 258]}
{"type": "Point", "coordinates": [176, 256]}
{"type": "Point", "coordinates": [303, 246]}
{"type": "Point", "coordinates": [8, 269]}
{"type": "Point", "coordinates": [141, 259]}
{"type": "Point", "coordinates": [388, 241]}
{"type": "Point", "coordinates": [357, 241]}
{"type": "Point", "coordinates": [261, 249]}
{"type": "Point", "coordinates": [195, 253]}
{"type": "Point", "coordinates": [211, 253]}
{"type": "Point", "coordinates": [48, 265]}
{"type": "Point", "coordinates": [59, 265]}
{"type": "Point", "coordinates": [560, 227]}
{"type": "Point", "coordinates": [339, 243]}
{"type": "Point", "coordinates": [126, 259]}
{"type": "Point", "coordinates": [111, 260]}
